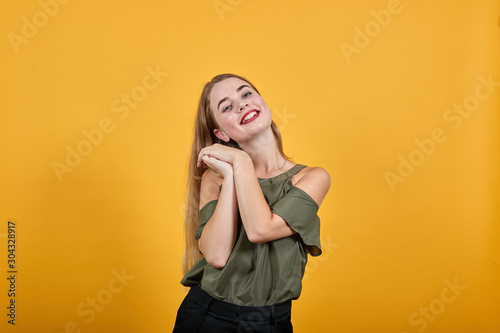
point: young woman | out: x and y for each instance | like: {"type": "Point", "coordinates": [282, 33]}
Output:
{"type": "Point", "coordinates": [251, 216]}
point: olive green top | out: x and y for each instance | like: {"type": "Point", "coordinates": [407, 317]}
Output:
{"type": "Point", "coordinates": [267, 273]}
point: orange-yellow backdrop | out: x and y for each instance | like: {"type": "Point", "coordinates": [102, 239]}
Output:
{"type": "Point", "coordinates": [398, 100]}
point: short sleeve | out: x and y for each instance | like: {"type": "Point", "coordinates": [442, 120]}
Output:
{"type": "Point", "coordinates": [204, 215]}
{"type": "Point", "coordinates": [299, 210]}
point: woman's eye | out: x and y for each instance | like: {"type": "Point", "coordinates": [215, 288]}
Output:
{"type": "Point", "coordinates": [247, 94]}
{"type": "Point", "coordinates": [226, 108]}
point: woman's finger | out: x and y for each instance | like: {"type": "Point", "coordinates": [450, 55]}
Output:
{"type": "Point", "coordinates": [200, 158]}
{"type": "Point", "coordinates": [217, 151]}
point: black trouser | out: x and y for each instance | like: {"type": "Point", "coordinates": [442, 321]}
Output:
{"type": "Point", "coordinates": [201, 313]}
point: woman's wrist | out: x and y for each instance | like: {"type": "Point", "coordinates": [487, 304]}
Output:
{"type": "Point", "coordinates": [241, 162]}
{"type": "Point", "coordinates": [228, 176]}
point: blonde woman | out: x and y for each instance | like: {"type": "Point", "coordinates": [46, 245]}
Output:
{"type": "Point", "coordinates": [251, 217]}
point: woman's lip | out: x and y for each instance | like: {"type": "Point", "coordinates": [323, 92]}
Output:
{"type": "Point", "coordinates": [251, 119]}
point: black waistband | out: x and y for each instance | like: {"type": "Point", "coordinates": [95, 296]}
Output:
{"type": "Point", "coordinates": [248, 313]}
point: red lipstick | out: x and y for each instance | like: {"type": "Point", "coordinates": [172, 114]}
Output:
{"type": "Point", "coordinates": [249, 117]}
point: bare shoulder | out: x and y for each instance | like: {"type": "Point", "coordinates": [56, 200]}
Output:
{"type": "Point", "coordinates": [311, 172]}
{"type": "Point", "coordinates": [209, 189]}
{"type": "Point", "coordinates": [315, 181]}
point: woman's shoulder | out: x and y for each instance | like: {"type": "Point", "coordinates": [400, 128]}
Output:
{"type": "Point", "coordinates": [315, 181]}
{"type": "Point", "coordinates": [209, 188]}
{"type": "Point", "coordinates": [309, 173]}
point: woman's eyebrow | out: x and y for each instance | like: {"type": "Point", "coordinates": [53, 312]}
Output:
{"type": "Point", "coordinates": [222, 100]}
{"type": "Point", "coordinates": [237, 90]}
{"type": "Point", "coordinates": [241, 87]}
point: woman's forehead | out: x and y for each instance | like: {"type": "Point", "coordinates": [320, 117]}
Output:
{"type": "Point", "coordinates": [228, 85]}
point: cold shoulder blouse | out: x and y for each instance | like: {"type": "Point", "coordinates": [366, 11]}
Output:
{"type": "Point", "coordinates": [267, 273]}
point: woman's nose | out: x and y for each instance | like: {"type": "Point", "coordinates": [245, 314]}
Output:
{"type": "Point", "coordinates": [243, 105]}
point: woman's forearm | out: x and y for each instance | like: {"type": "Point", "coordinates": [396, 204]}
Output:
{"type": "Point", "coordinates": [256, 216]}
{"type": "Point", "coordinates": [219, 234]}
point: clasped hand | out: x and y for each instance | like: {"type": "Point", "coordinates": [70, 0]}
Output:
{"type": "Point", "coordinates": [219, 158]}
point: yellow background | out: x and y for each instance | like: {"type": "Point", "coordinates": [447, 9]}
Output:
{"type": "Point", "coordinates": [388, 251]}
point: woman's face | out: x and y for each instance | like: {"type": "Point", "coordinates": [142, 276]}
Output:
{"type": "Point", "coordinates": [239, 110]}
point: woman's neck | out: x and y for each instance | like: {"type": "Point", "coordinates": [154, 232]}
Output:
{"type": "Point", "coordinates": [265, 155]}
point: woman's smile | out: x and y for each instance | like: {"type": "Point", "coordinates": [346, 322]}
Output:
{"type": "Point", "coordinates": [249, 117]}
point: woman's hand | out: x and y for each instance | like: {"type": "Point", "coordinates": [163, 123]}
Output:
{"type": "Point", "coordinates": [221, 153]}
{"type": "Point", "coordinates": [219, 168]}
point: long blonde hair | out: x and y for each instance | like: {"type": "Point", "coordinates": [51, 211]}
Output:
{"type": "Point", "coordinates": [204, 136]}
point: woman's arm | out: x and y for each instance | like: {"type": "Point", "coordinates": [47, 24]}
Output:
{"type": "Point", "coordinates": [260, 223]}
{"type": "Point", "coordinates": [219, 234]}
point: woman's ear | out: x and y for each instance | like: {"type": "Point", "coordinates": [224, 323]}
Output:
{"type": "Point", "coordinates": [221, 135]}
